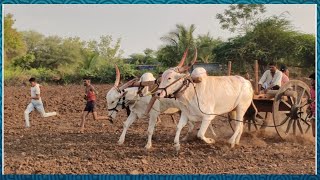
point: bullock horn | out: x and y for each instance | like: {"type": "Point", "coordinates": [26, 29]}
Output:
{"type": "Point", "coordinates": [116, 83]}
{"type": "Point", "coordinates": [183, 57]}
{"type": "Point", "coordinates": [194, 58]}
{"type": "Point", "coordinates": [186, 67]}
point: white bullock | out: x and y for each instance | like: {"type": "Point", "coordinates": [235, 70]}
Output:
{"type": "Point", "coordinates": [127, 96]}
{"type": "Point", "coordinates": [215, 95]}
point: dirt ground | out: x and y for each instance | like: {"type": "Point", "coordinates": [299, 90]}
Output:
{"type": "Point", "coordinates": [52, 145]}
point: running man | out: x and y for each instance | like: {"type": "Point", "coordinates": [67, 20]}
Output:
{"type": "Point", "coordinates": [35, 103]}
{"type": "Point", "coordinates": [90, 96]}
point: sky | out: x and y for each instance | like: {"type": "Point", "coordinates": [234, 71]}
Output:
{"type": "Point", "coordinates": [140, 26]}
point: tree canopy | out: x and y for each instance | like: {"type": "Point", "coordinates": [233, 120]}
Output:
{"type": "Point", "coordinates": [14, 46]}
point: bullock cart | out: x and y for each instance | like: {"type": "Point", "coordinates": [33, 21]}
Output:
{"type": "Point", "coordinates": [288, 106]}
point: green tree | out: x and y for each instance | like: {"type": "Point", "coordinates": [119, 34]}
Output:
{"type": "Point", "coordinates": [181, 37]}
{"type": "Point", "coordinates": [270, 40]}
{"type": "Point", "coordinates": [107, 50]}
{"type": "Point", "coordinates": [50, 53]}
{"type": "Point", "coordinates": [33, 40]}
{"type": "Point", "coordinates": [167, 55]}
{"type": "Point", "coordinates": [240, 17]}
{"type": "Point", "coordinates": [176, 43]}
{"type": "Point", "coordinates": [206, 44]}
{"type": "Point", "coordinates": [100, 56]}
{"type": "Point", "coordinates": [24, 62]}
{"type": "Point", "coordinates": [148, 58]}
{"type": "Point", "coordinates": [304, 50]}
{"type": "Point", "coordinates": [14, 45]}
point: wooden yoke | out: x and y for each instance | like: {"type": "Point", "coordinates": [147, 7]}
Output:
{"type": "Point", "coordinates": [153, 86]}
{"type": "Point", "coordinates": [142, 84]}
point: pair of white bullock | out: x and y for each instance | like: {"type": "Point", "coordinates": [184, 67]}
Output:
{"type": "Point", "coordinates": [214, 95]}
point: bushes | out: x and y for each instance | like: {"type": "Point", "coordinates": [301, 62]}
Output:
{"type": "Point", "coordinates": [107, 73]}
{"type": "Point", "coordinates": [67, 75]}
{"type": "Point", "coordinates": [17, 76]}
{"type": "Point", "coordinates": [14, 77]}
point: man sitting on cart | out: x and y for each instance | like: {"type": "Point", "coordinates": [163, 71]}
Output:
{"type": "Point", "coordinates": [271, 79]}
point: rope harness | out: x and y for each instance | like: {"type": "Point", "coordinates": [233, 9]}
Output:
{"type": "Point", "coordinates": [122, 99]}
{"type": "Point", "coordinates": [185, 84]}
{"type": "Point", "coordinates": [114, 109]}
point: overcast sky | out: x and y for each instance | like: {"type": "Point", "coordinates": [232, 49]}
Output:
{"type": "Point", "coordinates": [139, 26]}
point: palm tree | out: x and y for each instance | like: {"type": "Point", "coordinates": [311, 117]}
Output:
{"type": "Point", "coordinates": [206, 44]}
{"type": "Point", "coordinates": [180, 39]}
{"type": "Point", "coordinates": [90, 59]}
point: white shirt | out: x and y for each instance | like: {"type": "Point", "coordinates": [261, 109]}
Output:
{"type": "Point", "coordinates": [268, 81]}
{"type": "Point", "coordinates": [35, 90]}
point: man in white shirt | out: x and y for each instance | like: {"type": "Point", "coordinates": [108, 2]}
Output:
{"type": "Point", "coordinates": [271, 79]}
{"type": "Point", "coordinates": [35, 103]}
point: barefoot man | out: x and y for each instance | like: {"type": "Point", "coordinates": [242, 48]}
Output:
{"type": "Point", "coordinates": [36, 103]}
{"type": "Point", "coordinates": [90, 96]}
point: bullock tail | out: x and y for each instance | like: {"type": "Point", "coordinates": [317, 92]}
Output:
{"type": "Point", "coordinates": [255, 109]}
{"type": "Point", "coordinates": [256, 112]}
{"type": "Point", "coordinates": [242, 87]}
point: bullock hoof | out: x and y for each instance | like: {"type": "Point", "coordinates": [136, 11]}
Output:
{"type": "Point", "coordinates": [177, 146]}
{"type": "Point", "coordinates": [232, 143]}
{"type": "Point", "coordinates": [81, 131]}
{"type": "Point", "coordinates": [185, 138]}
{"type": "Point", "coordinates": [148, 146]}
{"type": "Point", "coordinates": [238, 143]}
{"type": "Point", "coordinates": [209, 140]}
{"type": "Point", "coordinates": [120, 142]}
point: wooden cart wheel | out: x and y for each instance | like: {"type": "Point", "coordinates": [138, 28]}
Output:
{"type": "Point", "coordinates": [252, 120]}
{"type": "Point", "coordinates": [290, 109]}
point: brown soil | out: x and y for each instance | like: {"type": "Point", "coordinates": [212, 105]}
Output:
{"type": "Point", "coordinates": [52, 145]}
